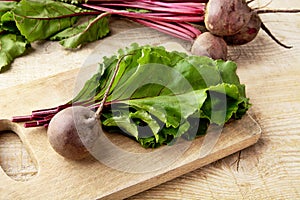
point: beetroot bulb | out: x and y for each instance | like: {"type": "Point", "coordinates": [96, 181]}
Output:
{"type": "Point", "coordinates": [74, 130]}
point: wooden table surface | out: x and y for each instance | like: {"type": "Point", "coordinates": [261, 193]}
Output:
{"type": "Point", "coordinates": [268, 170]}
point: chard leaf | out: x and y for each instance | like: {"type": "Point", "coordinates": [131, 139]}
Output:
{"type": "Point", "coordinates": [11, 46]}
{"type": "Point", "coordinates": [38, 20]}
{"type": "Point", "coordinates": [89, 31]}
{"type": "Point", "coordinates": [149, 120]}
{"type": "Point", "coordinates": [228, 73]}
{"type": "Point", "coordinates": [159, 96]}
{"type": "Point", "coordinates": [171, 109]}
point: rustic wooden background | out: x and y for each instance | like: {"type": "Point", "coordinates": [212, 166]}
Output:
{"type": "Point", "coordinates": [268, 170]}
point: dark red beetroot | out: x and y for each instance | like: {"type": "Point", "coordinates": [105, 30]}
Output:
{"type": "Point", "coordinates": [73, 131]}
{"type": "Point", "coordinates": [226, 17]}
{"type": "Point", "coordinates": [210, 45]}
{"type": "Point", "coordinates": [247, 33]}
{"type": "Point", "coordinates": [236, 21]}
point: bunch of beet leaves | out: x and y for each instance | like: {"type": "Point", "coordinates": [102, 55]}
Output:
{"type": "Point", "coordinates": [74, 23]}
{"type": "Point", "coordinates": [145, 103]}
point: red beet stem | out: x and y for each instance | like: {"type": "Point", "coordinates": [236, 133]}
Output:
{"type": "Point", "coordinates": [173, 17]}
{"type": "Point", "coordinates": [21, 118]}
{"type": "Point", "coordinates": [30, 124]}
{"type": "Point", "coordinates": [164, 29]}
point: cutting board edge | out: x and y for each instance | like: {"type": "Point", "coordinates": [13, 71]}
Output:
{"type": "Point", "coordinates": [184, 169]}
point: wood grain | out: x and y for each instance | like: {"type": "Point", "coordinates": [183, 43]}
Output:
{"type": "Point", "coordinates": [268, 170]}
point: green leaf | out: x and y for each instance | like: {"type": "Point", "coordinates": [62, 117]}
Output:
{"type": "Point", "coordinates": [228, 73]}
{"type": "Point", "coordinates": [5, 24]}
{"type": "Point", "coordinates": [89, 31]}
{"type": "Point", "coordinates": [124, 122]}
{"type": "Point", "coordinates": [221, 103]}
{"type": "Point", "coordinates": [149, 120]}
{"type": "Point", "coordinates": [171, 110]}
{"type": "Point", "coordinates": [38, 20]}
{"type": "Point", "coordinates": [11, 46]}
{"type": "Point", "coordinates": [8, 23]}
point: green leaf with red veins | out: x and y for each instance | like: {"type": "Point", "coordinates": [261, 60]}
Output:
{"type": "Point", "coordinates": [91, 30]}
{"type": "Point", "coordinates": [38, 20]}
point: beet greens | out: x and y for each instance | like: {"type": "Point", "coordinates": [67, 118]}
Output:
{"type": "Point", "coordinates": [146, 104]}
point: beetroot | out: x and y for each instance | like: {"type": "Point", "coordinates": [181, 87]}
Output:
{"type": "Point", "coordinates": [210, 45]}
{"type": "Point", "coordinates": [73, 131]}
{"type": "Point", "coordinates": [247, 33]}
{"type": "Point", "coordinates": [226, 17]}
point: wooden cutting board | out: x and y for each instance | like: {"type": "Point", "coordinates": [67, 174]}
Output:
{"type": "Point", "coordinates": [60, 178]}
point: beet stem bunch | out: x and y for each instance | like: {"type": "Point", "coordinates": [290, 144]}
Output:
{"type": "Point", "coordinates": [42, 117]}
{"type": "Point", "coordinates": [171, 17]}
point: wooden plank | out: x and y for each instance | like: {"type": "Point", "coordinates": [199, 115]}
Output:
{"type": "Point", "coordinates": [90, 179]}
{"type": "Point", "coordinates": [267, 170]}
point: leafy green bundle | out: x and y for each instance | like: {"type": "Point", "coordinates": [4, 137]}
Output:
{"type": "Point", "coordinates": [159, 96]}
